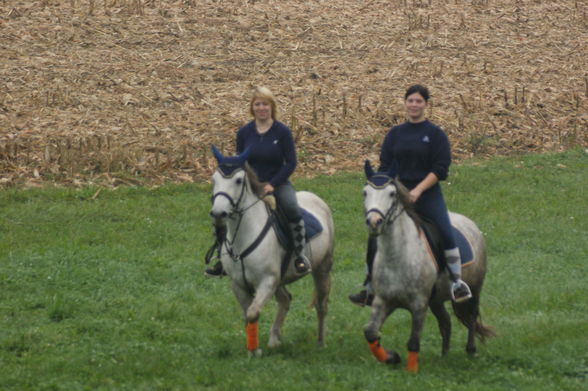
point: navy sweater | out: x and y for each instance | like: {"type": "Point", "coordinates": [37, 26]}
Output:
{"type": "Point", "coordinates": [273, 155]}
{"type": "Point", "coordinates": [416, 150]}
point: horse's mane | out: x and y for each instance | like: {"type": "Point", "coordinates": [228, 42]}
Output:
{"type": "Point", "coordinates": [404, 199]}
{"type": "Point", "coordinates": [257, 187]}
{"type": "Point", "coordinates": [256, 184]}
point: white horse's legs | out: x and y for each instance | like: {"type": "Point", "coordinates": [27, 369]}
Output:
{"type": "Point", "coordinates": [380, 311]}
{"type": "Point", "coordinates": [322, 286]}
{"type": "Point", "coordinates": [414, 342]}
{"type": "Point", "coordinates": [283, 298]}
{"type": "Point", "coordinates": [377, 318]}
{"type": "Point", "coordinates": [243, 297]}
{"type": "Point", "coordinates": [444, 322]}
{"type": "Point", "coordinates": [264, 292]}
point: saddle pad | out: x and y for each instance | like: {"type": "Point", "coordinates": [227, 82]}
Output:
{"type": "Point", "coordinates": [465, 249]}
{"type": "Point", "coordinates": [312, 227]}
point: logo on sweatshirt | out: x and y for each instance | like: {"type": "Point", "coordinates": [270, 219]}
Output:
{"type": "Point", "coordinates": [426, 139]}
{"type": "Point", "coordinates": [275, 142]}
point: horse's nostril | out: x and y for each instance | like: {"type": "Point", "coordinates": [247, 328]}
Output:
{"type": "Point", "coordinates": [378, 222]}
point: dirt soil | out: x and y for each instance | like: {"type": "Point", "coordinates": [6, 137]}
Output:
{"type": "Point", "coordinates": [113, 92]}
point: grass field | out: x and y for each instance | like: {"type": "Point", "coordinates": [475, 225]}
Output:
{"type": "Point", "coordinates": [103, 290]}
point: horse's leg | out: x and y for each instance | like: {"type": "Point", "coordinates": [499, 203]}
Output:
{"type": "Point", "coordinates": [245, 299]}
{"type": "Point", "coordinates": [264, 292]}
{"type": "Point", "coordinates": [414, 342]}
{"type": "Point", "coordinates": [444, 322]}
{"type": "Point", "coordinates": [467, 312]}
{"type": "Point", "coordinates": [322, 287]}
{"type": "Point", "coordinates": [380, 312]}
{"type": "Point", "coordinates": [283, 298]}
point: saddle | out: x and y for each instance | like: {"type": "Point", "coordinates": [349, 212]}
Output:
{"type": "Point", "coordinates": [433, 236]}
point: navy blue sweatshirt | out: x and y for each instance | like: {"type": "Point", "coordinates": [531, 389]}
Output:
{"type": "Point", "coordinates": [273, 155]}
{"type": "Point", "coordinates": [416, 150]}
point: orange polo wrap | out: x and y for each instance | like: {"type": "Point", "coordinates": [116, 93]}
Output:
{"type": "Point", "coordinates": [413, 362]}
{"type": "Point", "coordinates": [252, 338]}
{"type": "Point", "coordinates": [378, 351]}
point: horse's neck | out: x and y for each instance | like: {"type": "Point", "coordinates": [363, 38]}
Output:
{"type": "Point", "coordinates": [398, 237]}
{"type": "Point", "coordinates": [244, 229]}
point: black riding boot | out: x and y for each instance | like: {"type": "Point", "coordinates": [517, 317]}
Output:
{"type": "Point", "coordinates": [366, 295]}
{"type": "Point", "coordinates": [301, 263]}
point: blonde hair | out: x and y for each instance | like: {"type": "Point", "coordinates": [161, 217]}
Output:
{"type": "Point", "coordinates": [265, 94]}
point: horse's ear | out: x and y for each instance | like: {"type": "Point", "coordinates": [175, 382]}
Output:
{"type": "Point", "coordinates": [218, 156]}
{"type": "Point", "coordinates": [243, 156]}
{"type": "Point", "coordinates": [369, 171]}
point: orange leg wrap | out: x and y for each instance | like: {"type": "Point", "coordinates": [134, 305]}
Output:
{"type": "Point", "coordinates": [252, 338]}
{"type": "Point", "coordinates": [413, 362]}
{"type": "Point", "coordinates": [378, 351]}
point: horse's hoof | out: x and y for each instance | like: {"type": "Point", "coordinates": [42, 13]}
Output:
{"type": "Point", "coordinates": [255, 353]}
{"type": "Point", "coordinates": [274, 343]}
{"type": "Point", "coordinates": [393, 357]}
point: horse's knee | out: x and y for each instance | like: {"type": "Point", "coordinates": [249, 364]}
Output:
{"type": "Point", "coordinates": [370, 333]}
{"type": "Point", "coordinates": [252, 315]}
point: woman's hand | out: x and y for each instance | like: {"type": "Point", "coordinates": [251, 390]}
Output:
{"type": "Point", "coordinates": [268, 189]}
{"type": "Point", "coordinates": [414, 195]}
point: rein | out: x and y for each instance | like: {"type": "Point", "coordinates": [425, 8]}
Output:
{"type": "Point", "coordinates": [228, 244]}
{"type": "Point", "coordinates": [386, 217]}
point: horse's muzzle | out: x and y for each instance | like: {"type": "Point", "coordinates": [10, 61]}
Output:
{"type": "Point", "coordinates": [374, 222]}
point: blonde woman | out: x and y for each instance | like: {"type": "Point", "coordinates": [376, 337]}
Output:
{"type": "Point", "coordinates": [273, 159]}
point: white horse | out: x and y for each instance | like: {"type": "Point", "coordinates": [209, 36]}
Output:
{"type": "Point", "coordinates": [405, 274]}
{"type": "Point", "coordinates": [252, 255]}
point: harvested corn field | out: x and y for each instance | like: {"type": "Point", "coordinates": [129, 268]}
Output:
{"type": "Point", "coordinates": [134, 91]}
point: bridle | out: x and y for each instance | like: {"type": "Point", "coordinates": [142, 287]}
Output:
{"type": "Point", "coordinates": [234, 204]}
{"type": "Point", "coordinates": [240, 212]}
{"type": "Point", "coordinates": [387, 218]}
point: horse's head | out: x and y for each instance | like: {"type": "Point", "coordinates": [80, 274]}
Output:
{"type": "Point", "coordinates": [229, 184]}
{"type": "Point", "coordinates": [381, 198]}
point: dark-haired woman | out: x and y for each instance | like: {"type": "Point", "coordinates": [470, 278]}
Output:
{"type": "Point", "coordinates": [419, 150]}
{"type": "Point", "coordinates": [273, 159]}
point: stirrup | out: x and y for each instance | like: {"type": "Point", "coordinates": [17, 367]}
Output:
{"type": "Point", "coordinates": [460, 291]}
{"type": "Point", "coordinates": [302, 265]}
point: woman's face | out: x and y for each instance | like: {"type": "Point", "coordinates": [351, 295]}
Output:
{"type": "Point", "coordinates": [262, 109]}
{"type": "Point", "coordinates": [415, 106]}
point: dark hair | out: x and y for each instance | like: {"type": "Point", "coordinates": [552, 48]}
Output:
{"type": "Point", "coordinates": [421, 90]}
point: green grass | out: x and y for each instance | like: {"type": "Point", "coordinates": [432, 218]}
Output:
{"type": "Point", "coordinates": [107, 293]}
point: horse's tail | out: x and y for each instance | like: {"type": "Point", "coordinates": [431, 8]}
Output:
{"type": "Point", "coordinates": [468, 314]}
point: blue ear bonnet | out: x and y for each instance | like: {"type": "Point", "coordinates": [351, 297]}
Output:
{"type": "Point", "coordinates": [229, 164]}
{"type": "Point", "coordinates": [379, 179]}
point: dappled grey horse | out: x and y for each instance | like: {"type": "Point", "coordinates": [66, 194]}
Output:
{"type": "Point", "coordinates": [251, 252]}
{"type": "Point", "coordinates": [405, 273]}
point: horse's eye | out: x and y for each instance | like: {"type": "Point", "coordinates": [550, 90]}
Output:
{"type": "Point", "coordinates": [392, 194]}
{"type": "Point", "coordinates": [365, 193]}
{"type": "Point", "coordinates": [239, 181]}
